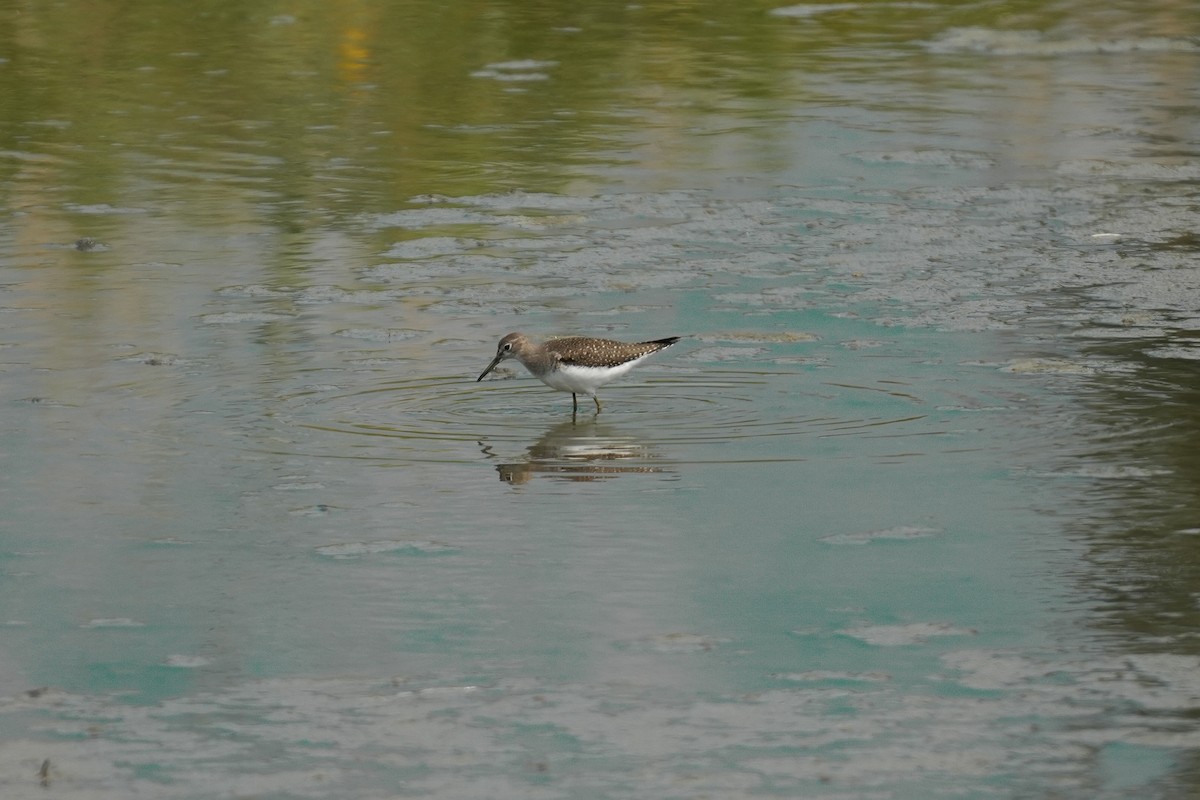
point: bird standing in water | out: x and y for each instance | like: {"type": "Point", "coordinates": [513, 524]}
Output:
{"type": "Point", "coordinates": [576, 364]}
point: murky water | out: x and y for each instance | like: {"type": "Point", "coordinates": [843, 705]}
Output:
{"type": "Point", "coordinates": [911, 511]}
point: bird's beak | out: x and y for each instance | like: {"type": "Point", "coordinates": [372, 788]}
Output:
{"type": "Point", "coordinates": [490, 367]}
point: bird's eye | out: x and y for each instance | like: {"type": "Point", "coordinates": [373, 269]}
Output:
{"type": "Point", "coordinates": [507, 346]}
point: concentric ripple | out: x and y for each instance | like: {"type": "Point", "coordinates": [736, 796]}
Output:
{"type": "Point", "coordinates": [675, 416]}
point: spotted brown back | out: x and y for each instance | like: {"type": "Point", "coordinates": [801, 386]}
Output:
{"type": "Point", "coordinates": [583, 351]}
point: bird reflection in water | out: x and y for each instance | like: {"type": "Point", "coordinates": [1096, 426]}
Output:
{"type": "Point", "coordinates": [573, 452]}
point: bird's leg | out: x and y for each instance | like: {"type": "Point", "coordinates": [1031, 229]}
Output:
{"type": "Point", "coordinates": [597, 399]}
{"type": "Point", "coordinates": [574, 404]}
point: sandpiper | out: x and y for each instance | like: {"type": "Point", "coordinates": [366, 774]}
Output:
{"type": "Point", "coordinates": [576, 364]}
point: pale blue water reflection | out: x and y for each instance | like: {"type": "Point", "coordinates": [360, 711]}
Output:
{"type": "Point", "coordinates": [905, 514]}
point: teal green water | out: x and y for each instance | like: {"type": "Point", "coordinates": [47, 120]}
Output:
{"type": "Point", "coordinates": [909, 512]}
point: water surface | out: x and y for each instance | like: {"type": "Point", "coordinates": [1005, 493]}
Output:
{"type": "Point", "coordinates": [909, 512]}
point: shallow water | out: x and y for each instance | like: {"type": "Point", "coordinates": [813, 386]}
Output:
{"type": "Point", "coordinates": [909, 512]}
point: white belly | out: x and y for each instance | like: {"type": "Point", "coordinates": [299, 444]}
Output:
{"type": "Point", "coordinates": [584, 380]}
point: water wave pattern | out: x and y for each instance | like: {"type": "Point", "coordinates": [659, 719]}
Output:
{"type": "Point", "coordinates": [945, 258]}
{"type": "Point", "coordinates": [672, 417]}
{"type": "Point", "coordinates": [802, 292]}
{"type": "Point", "coordinates": [889, 259]}
{"type": "Point", "coordinates": [1027, 43]}
{"type": "Point", "coordinates": [1004, 718]}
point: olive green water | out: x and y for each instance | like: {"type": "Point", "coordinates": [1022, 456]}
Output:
{"type": "Point", "coordinates": [911, 511]}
